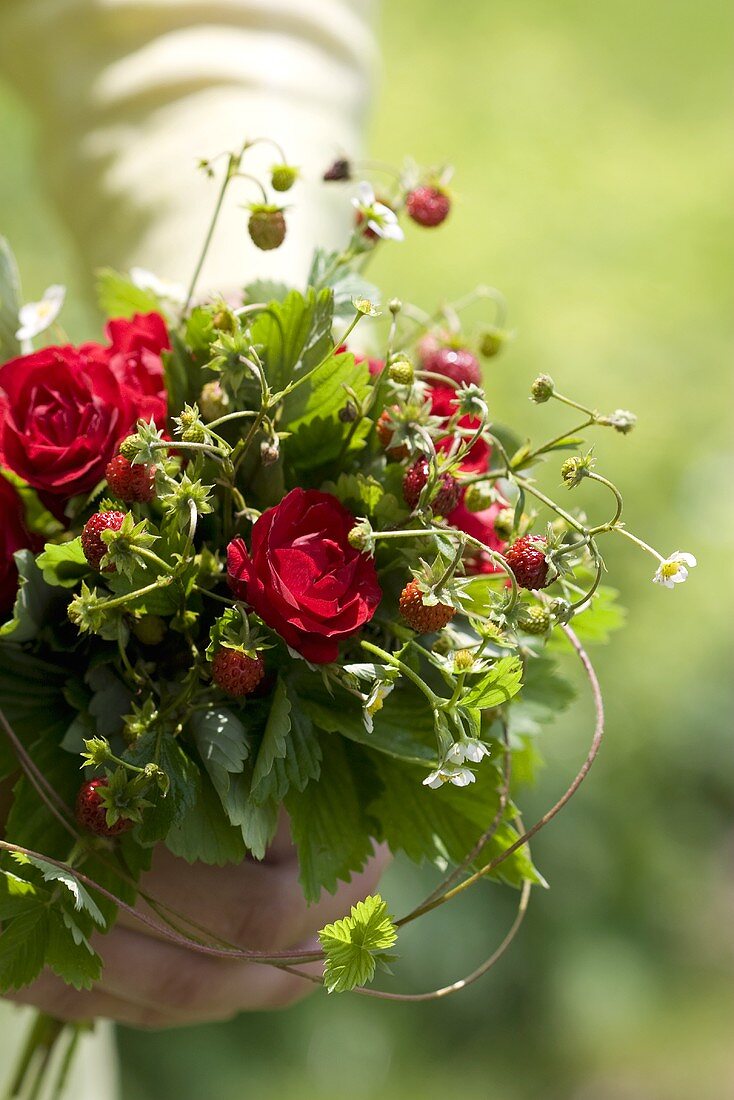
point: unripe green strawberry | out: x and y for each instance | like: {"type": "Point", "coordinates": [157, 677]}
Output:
{"type": "Point", "coordinates": [283, 176]}
{"type": "Point", "coordinates": [534, 619]}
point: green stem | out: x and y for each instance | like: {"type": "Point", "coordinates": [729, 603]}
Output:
{"type": "Point", "coordinates": [628, 535]}
{"type": "Point", "coordinates": [529, 488]}
{"type": "Point", "coordinates": [210, 232]}
{"type": "Point", "coordinates": [391, 659]}
{"type": "Point", "coordinates": [118, 601]}
{"type": "Point", "coordinates": [574, 404]}
{"type": "Point", "coordinates": [241, 414]}
{"type": "Point", "coordinates": [617, 496]}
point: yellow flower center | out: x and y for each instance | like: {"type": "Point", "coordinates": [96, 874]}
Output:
{"type": "Point", "coordinates": [670, 568]}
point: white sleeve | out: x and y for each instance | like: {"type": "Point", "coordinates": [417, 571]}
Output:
{"type": "Point", "coordinates": [130, 94]}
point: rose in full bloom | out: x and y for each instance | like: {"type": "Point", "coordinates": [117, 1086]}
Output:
{"type": "Point", "coordinates": [65, 410]}
{"type": "Point", "coordinates": [301, 575]}
{"type": "Point", "coordinates": [14, 535]}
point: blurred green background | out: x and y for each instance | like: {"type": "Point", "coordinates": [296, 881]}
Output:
{"type": "Point", "coordinates": [594, 180]}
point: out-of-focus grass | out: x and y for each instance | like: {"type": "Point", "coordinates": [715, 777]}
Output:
{"type": "Point", "coordinates": [594, 174]}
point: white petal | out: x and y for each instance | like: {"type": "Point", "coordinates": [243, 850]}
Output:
{"type": "Point", "coordinates": [366, 193]}
{"type": "Point", "coordinates": [434, 780]}
{"type": "Point", "coordinates": [35, 317]}
{"type": "Point", "coordinates": [462, 777]}
{"type": "Point", "coordinates": [687, 559]}
{"type": "Point", "coordinates": [475, 751]}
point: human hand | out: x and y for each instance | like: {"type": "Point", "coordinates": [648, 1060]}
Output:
{"type": "Point", "coordinates": [149, 982]}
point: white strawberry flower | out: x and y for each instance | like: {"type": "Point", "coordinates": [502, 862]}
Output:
{"type": "Point", "coordinates": [35, 317]}
{"type": "Point", "coordinates": [167, 291]}
{"type": "Point", "coordinates": [374, 701]}
{"type": "Point", "coordinates": [448, 773]}
{"type": "Point", "coordinates": [674, 570]}
{"type": "Point", "coordinates": [379, 218]}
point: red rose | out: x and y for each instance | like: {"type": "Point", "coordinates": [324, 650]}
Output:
{"type": "Point", "coordinates": [480, 525]}
{"type": "Point", "coordinates": [302, 577]}
{"type": "Point", "coordinates": [14, 535]}
{"type": "Point", "coordinates": [443, 404]}
{"type": "Point", "coordinates": [65, 410]}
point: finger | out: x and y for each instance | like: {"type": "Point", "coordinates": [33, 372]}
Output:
{"type": "Point", "coordinates": [258, 906]}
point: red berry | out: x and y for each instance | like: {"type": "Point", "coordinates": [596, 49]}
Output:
{"type": "Point", "coordinates": [428, 206]}
{"type": "Point", "coordinates": [425, 620]}
{"type": "Point", "coordinates": [93, 545]}
{"type": "Point", "coordinates": [91, 813]}
{"type": "Point", "coordinates": [526, 559]}
{"type": "Point", "coordinates": [131, 482]}
{"type": "Point", "coordinates": [235, 672]}
{"type": "Point", "coordinates": [443, 501]}
{"type": "Point", "coordinates": [267, 227]}
{"type": "Point", "coordinates": [385, 429]}
{"type": "Point", "coordinates": [458, 364]}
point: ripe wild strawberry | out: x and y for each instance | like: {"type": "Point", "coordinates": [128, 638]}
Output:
{"type": "Point", "coordinates": [91, 813]}
{"type": "Point", "coordinates": [131, 482]}
{"type": "Point", "coordinates": [458, 364]}
{"type": "Point", "coordinates": [526, 559]}
{"type": "Point", "coordinates": [235, 672]}
{"type": "Point", "coordinates": [444, 499]}
{"type": "Point", "coordinates": [428, 206]}
{"type": "Point", "coordinates": [266, 226]}
{"type": "Point", "coordinates": [385, 430]}
{"type": "Point", "coordinates": [93, 545]}
{"type": "Point", "coordinates": [424, 620]}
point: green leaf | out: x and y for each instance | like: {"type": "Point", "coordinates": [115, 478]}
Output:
{"type": "Point", "coordinates": [444, 824]}
{"type": "Point", "coordinates": [222, 743]}
{"type": "Point", "coordinates": [497, 687]}
{"type": "Point", "coordinates": [32, 603]}
{"type": "Point", "coordinates": [51, 873]}
{"type": "Point", "coordinates": [10, 301]}
{"type": "Point", "coordinates": [204, 834]}
{"type": "Point", "coordinates": [345, 282]}
{"type": "Point", "coordinates": [23, 944]}
{"type": "Point", "coordinates": [63, 563]}
{"type": "Point", "coordinates": [403, 728]}
{"type": "Point", "coordinates": [545, 694]}
{"type": "Point", "coordinates": [69, 953]}
{"type": "Point", "coordinates": [300, 758]}
{"type": "Point", "coordinates": [351, 944]}
{"type": "Point", "coordinates": [266, 290]}
{"type": "Point", "coordinates": [294, 333]}
{"type": "Point", "coordinates": [315, 406]}
{"type": "Point", "coordinates": [597, 624]}
{"type": "Point", "coordinates": [32, 701]}
{"type": "Point", "coordinates": [17, 895]}
{"type": "Point", "coordinates": [329, 825]}
{"type": "Point", "coordinates": [119, 297]}
{"type": "Point", "coordinates": [184, 777]}
{"type": "Point", "coordinates": [273, 744]}
{"type": "Point", "coordinates": [258, 824]}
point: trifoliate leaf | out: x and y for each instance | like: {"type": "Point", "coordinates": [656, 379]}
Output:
{"type": "Point", "coordinates": [352, 944]}
{"type": "Point", "coordinates": [33, 602]}
{"type": "Point", "coordinates": [69, 953]}
{"type": "Point", "coordinates": [273, 744]}
{"type": "Point", "coordinates": [295, 334]}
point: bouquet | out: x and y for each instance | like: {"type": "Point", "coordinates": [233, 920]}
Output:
{"type": "Point", "coordinates": [251, 569]}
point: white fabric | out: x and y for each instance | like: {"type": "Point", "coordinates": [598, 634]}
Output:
{"type": "Point", "coordinates": [131, 93]}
